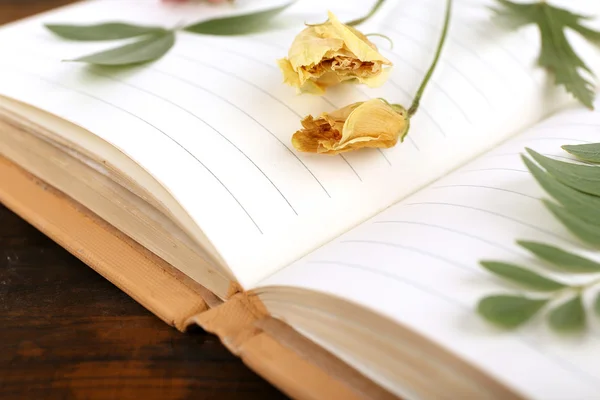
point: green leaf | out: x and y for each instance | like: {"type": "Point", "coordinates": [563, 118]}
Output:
{"type": "Point", "coordinates": [584, 178]}
{"type": "Point", "coordinates": [509, 311]}
{"type": "Point", "coordinates": [144, 50]}
{"type": "Point", "coordinates": [512, 15]}
{"type": "Point", "coordinates": [238, 24]}
{"type": "Point", "coordinates": [580, 204]}
{"type": "Point", "coordinates": [557, 55]}
{"type": "Point", "coordinates": [586, 152]}
{"type": "Point", "coordinates": [587, 232]}
{"type": "Point", "coordinates": [597, 305]}
{"type": "Point", "coordinates": [106, 31]}
{"type": "Point", "coordinates": [569, 316]}
{"type": "Point", "coordinates": [522, 276]}
{"type": "Point", "coordinates": [564, 260]}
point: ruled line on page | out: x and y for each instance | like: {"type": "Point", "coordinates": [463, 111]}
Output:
{"type": "Point", "coordinates": [487, 188]}
{"type": "Point", "coordinates": [187, 81]}
{"type": "Point", "coordinates": [280, 47]}
{"type": "Point", "coordinates": [427, 203]}
{"type": "Point", "coordinates": [541, 130]}
{"type": "Point", "coordinates": [238, 54]}
{"type": "Point", "coordinates": [524, 154]}
{"type": "Point", "coordinates": [325, 99]}
{"type": "Point", "coordinates": [55, 83]}
{"type": "Point", "coordinates": [492, 169]}
{"type": "Point", "coordinates": [446, 62]}
{"type": "Point", "coordinates": [474, 86]}
{"type": "Point", "coordinates": [523, 66]}
{"type": "Point", "coordinates": [445, 228]}
{"type": "Point", "coordinates": [388, 275]}
{"type": "Point", "coordinates": [247, 82]}
{"type": "Point", "coordinates": [266, 42]}
{"type": "Point", "coordinates": [384, 156]}
{"type": "Point", "coordinates": [454, 39]}
{"type": "Point", "coordinates": [129, 84]}
{"type": "Point", "coordinates": [351, 167]}
{"type": "Point", "coordinates": [412, 249]}
{"type": "Point", "coordinates": [569, 125]}
{"type": "Point", "coordinates": [435, 85]}
{"type": "Point", "coordinates": [561, 361]}
{"type": "Point", "coordinates": [421, 108]}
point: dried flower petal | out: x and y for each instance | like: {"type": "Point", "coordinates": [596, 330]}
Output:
{"type": "Point", "coordinates": [373, 123]}
{"type": "Point", "coordinates": [327, 54]}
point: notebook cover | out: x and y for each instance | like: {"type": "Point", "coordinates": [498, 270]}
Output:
{"type": "Point", "coordinates": [299, 368]}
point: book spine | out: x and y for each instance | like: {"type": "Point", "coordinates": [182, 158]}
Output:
{"type": "Point", "coordinates": [278, 353]}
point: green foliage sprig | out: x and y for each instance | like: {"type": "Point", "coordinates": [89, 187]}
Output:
{"type": "Point", "coordinates": [557, 55]}
{"type": "Point", "coordinates": [575, 189]}
{"type": "Point", "coordinates": [153, 42]}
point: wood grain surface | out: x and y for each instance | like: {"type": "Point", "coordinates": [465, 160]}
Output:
{"type": "Point", "coordinates": [66, 332]}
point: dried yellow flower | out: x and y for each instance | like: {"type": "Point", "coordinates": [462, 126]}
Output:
{"type": "Point", "coordinates": [373, 123]}
{"type": "Point", "coordinates": [327, 54]}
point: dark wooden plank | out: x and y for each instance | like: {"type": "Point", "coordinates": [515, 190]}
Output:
{"type": "Point", "coordinates": [11, 10]}
{"type": "Point", "coordinates": [66, 332]}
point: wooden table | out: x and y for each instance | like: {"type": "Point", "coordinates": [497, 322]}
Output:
{"type": "Point", "coordinates": [66, 332]}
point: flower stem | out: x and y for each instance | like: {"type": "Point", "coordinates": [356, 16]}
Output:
{"type": "Point", "coordinates": [415, 104]}
{"type": "Point", "coordinates": [359, 21]}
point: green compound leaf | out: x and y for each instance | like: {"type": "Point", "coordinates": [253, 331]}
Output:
{"type": "Point", "coordinates": [557, 55]}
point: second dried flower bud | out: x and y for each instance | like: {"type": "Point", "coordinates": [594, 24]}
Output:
{"type": "Point", "coordinates": [373, 123]}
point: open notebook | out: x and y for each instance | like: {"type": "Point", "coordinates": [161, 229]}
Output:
{"type": "Point", "coordinates": [372, 255]}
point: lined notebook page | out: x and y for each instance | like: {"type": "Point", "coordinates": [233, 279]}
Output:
{"type": "Point", "coordinates": [417, 263]}
{"type": "Point", "coordinates": [212, 120]}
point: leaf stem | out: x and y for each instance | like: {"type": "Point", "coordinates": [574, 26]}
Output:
{"type": "Point", "coordinates": [588, 285]}
{"type": "Point", "coordinates": [578, 289]}
{"type": "Point", "coordinates": [359, 21]}
{"type": "Point", "coordinates": [417, 100]}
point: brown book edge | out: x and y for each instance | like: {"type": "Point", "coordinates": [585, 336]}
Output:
{"type": "Point", "coordinates": [299, 368]}
{"type": "Point", "coordinates": [132, 268]}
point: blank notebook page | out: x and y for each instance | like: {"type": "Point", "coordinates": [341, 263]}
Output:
{"type": "Point", "coordinates": [417, 263]}
{"type": "Point", "coordinates": [212, 121]}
